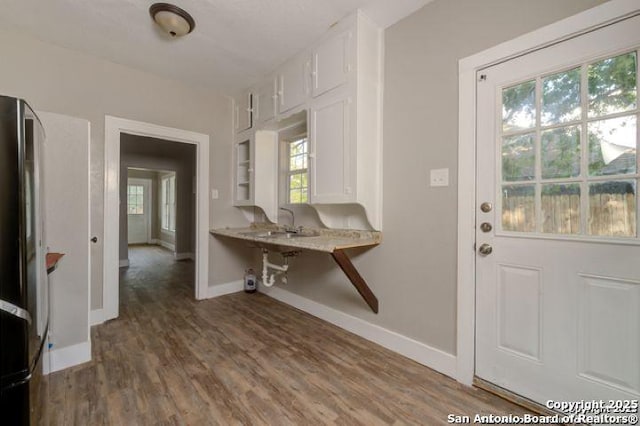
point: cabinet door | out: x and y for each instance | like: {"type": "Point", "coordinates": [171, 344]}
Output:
{"type": "Point", "coordinates": [331, 153]}
{"type": "Point", "coordinates": [293, 82]}
{"type": "Point", "coordinates": [331, 64]}
{"type": "Point", "coordinates": [243, 112]}
{"type": "Point", "coordinates": [265, 102]}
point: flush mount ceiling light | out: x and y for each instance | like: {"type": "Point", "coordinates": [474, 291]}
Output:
{"type": "Point", "coordinates": [173, 20]}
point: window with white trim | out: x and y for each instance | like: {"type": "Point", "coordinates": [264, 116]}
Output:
{"type": "Point", "coordinates": [297, 175]}
{"type": "Point", "coordinates": [168, 203]}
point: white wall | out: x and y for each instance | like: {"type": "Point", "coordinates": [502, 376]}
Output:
{"type": "Point", "coordinates": [413, 271]}
{"type": "Point", "coordinates": [60, 80]}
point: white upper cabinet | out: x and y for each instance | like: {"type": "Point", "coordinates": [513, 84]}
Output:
{"type": "Point", "coordinates": [331, 63]}
{"type": "Point", "coordinates": [338, 80]}
{"type": "Point", "coordinates": [256, 170]}
{"type": "Point", "coordinates": [293, 83]}
{"type": "Point", "coordinates": [244, 157]}
{"type": "Point", "coordinates": [243, 112]}
{"type": "Point", "coordinates": [345, 139]}
{"type": "Point", "coordinates": [264, 101]}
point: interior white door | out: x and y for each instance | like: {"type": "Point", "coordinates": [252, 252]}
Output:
{"type": "Point", "coordinates": [558, 263]}
{"type": "Point", "coordinates": [138, 211]}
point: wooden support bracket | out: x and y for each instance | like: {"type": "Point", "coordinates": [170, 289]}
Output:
{"type": "Point", "coordinates": [356, 279]}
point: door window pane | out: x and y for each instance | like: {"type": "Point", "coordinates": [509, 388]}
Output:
{"type": "Point", "coordinates": [561, 97]}
{"type": "Point", "coordinates": [568, 151]}
{"type": "Point", "coordinates": [612, 85]}
{"type": "Point", "coordinates": [612, 146]}
{"type": "Point", "coordinates": [561, 208]}
{"type": "Point", "coordinates": [519, 107]}
{"type": "Point", "coordinates": [518, 157]}
{"type": "Point", "coordinates": [561, 152]}
{"type": "Point", "coordinates": [518, 208]}
{"type": "Point", "coordinates": [612, 208]}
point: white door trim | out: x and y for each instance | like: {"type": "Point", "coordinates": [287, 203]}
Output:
{"type": "Point", "coordinates": [148, 196]}
{"type": "Point", "coordinates": [467, 70]}
{"type": "Point", "coordinates": [113, 127]}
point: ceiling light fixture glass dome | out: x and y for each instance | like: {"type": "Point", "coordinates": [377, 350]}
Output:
{"type": "Point", "coordinates": [174, 21]}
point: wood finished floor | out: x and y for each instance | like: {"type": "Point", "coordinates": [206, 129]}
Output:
{"type": "Point", "coordinates": [242, 359]}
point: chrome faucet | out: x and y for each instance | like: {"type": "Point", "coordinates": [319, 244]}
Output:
{"type": "Point", "coordinates": [293, 220]}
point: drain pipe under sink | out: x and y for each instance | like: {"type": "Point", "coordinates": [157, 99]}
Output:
{"type": "Point", "coordinates": [269, 280]}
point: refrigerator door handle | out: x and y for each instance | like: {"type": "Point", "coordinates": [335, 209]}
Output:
{"type": "Point", "coordinates": [14, 310]}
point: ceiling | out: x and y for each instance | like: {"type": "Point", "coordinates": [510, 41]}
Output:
{"type": "Point", "coordinates": [234, 44]}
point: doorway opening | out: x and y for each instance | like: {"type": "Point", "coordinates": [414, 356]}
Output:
{"type": "Point", "coordinates": [148, 215]}
{"type": "Point", "coordinates": [157, 213]}
{"type": "Point", "coordinates": [140, 148]}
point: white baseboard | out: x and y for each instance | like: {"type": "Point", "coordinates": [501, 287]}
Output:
{"type": "Point", "coordinates": [97, 316]}
{"type": "Point", "coordinates": [183, 256]}
{"type": "Point", "coordinates": [165, 244]}
{"type": "Point", "coordinates": [124, 263]}
{"type": "Point", "coordinates": [436, 359]}
{"type": "Point", "coordinates": [227, 288]}
{"type": "Point", "coordinates": [68, 357]}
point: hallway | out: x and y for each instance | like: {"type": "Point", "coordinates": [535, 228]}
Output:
{"type": "Point", "coordinates": [242, 359]}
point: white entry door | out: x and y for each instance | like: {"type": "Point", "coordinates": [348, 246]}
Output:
{"type": "Point", "coordinates": [138, 211]}
{"type": "Point", "coordinates": [558, 262]}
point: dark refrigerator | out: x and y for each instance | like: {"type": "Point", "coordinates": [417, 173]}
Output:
{"type": "Point", "coordinates": [24, 294]}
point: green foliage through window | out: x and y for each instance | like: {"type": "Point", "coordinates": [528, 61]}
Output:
{"type": "Point", "coordinates": [297, 182]}
{"type": "Point", "coordinates": [541, 147]}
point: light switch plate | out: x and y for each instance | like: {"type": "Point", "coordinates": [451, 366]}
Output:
{"type": "Point", "coordinates": [440, 177]}
{"type": "Point", "coordinates": [214, 194]}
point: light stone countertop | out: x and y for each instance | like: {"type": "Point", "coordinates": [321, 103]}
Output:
{"type": "Point", "coordinates": [327, 240]}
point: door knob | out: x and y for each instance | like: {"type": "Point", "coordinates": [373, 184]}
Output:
{"type": "Point", "coordinates": [485, 227]}
{"type": "Point", "coordinates": [486, 207]}
{"type": "Point", "coordinates": [485, 249]}
{"type": "Point", "coordinates": [94, 240]}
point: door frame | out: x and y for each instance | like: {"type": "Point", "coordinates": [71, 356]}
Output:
{"type": "Point", "coordinates": [113, 128]}
{"type": "Point", "coordinates": [589, 20]}
{"type": "Point", "coordinates": [148, 196]}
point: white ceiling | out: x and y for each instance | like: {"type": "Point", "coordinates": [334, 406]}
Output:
{"type": "Point", "coordinates": [234, 44]}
